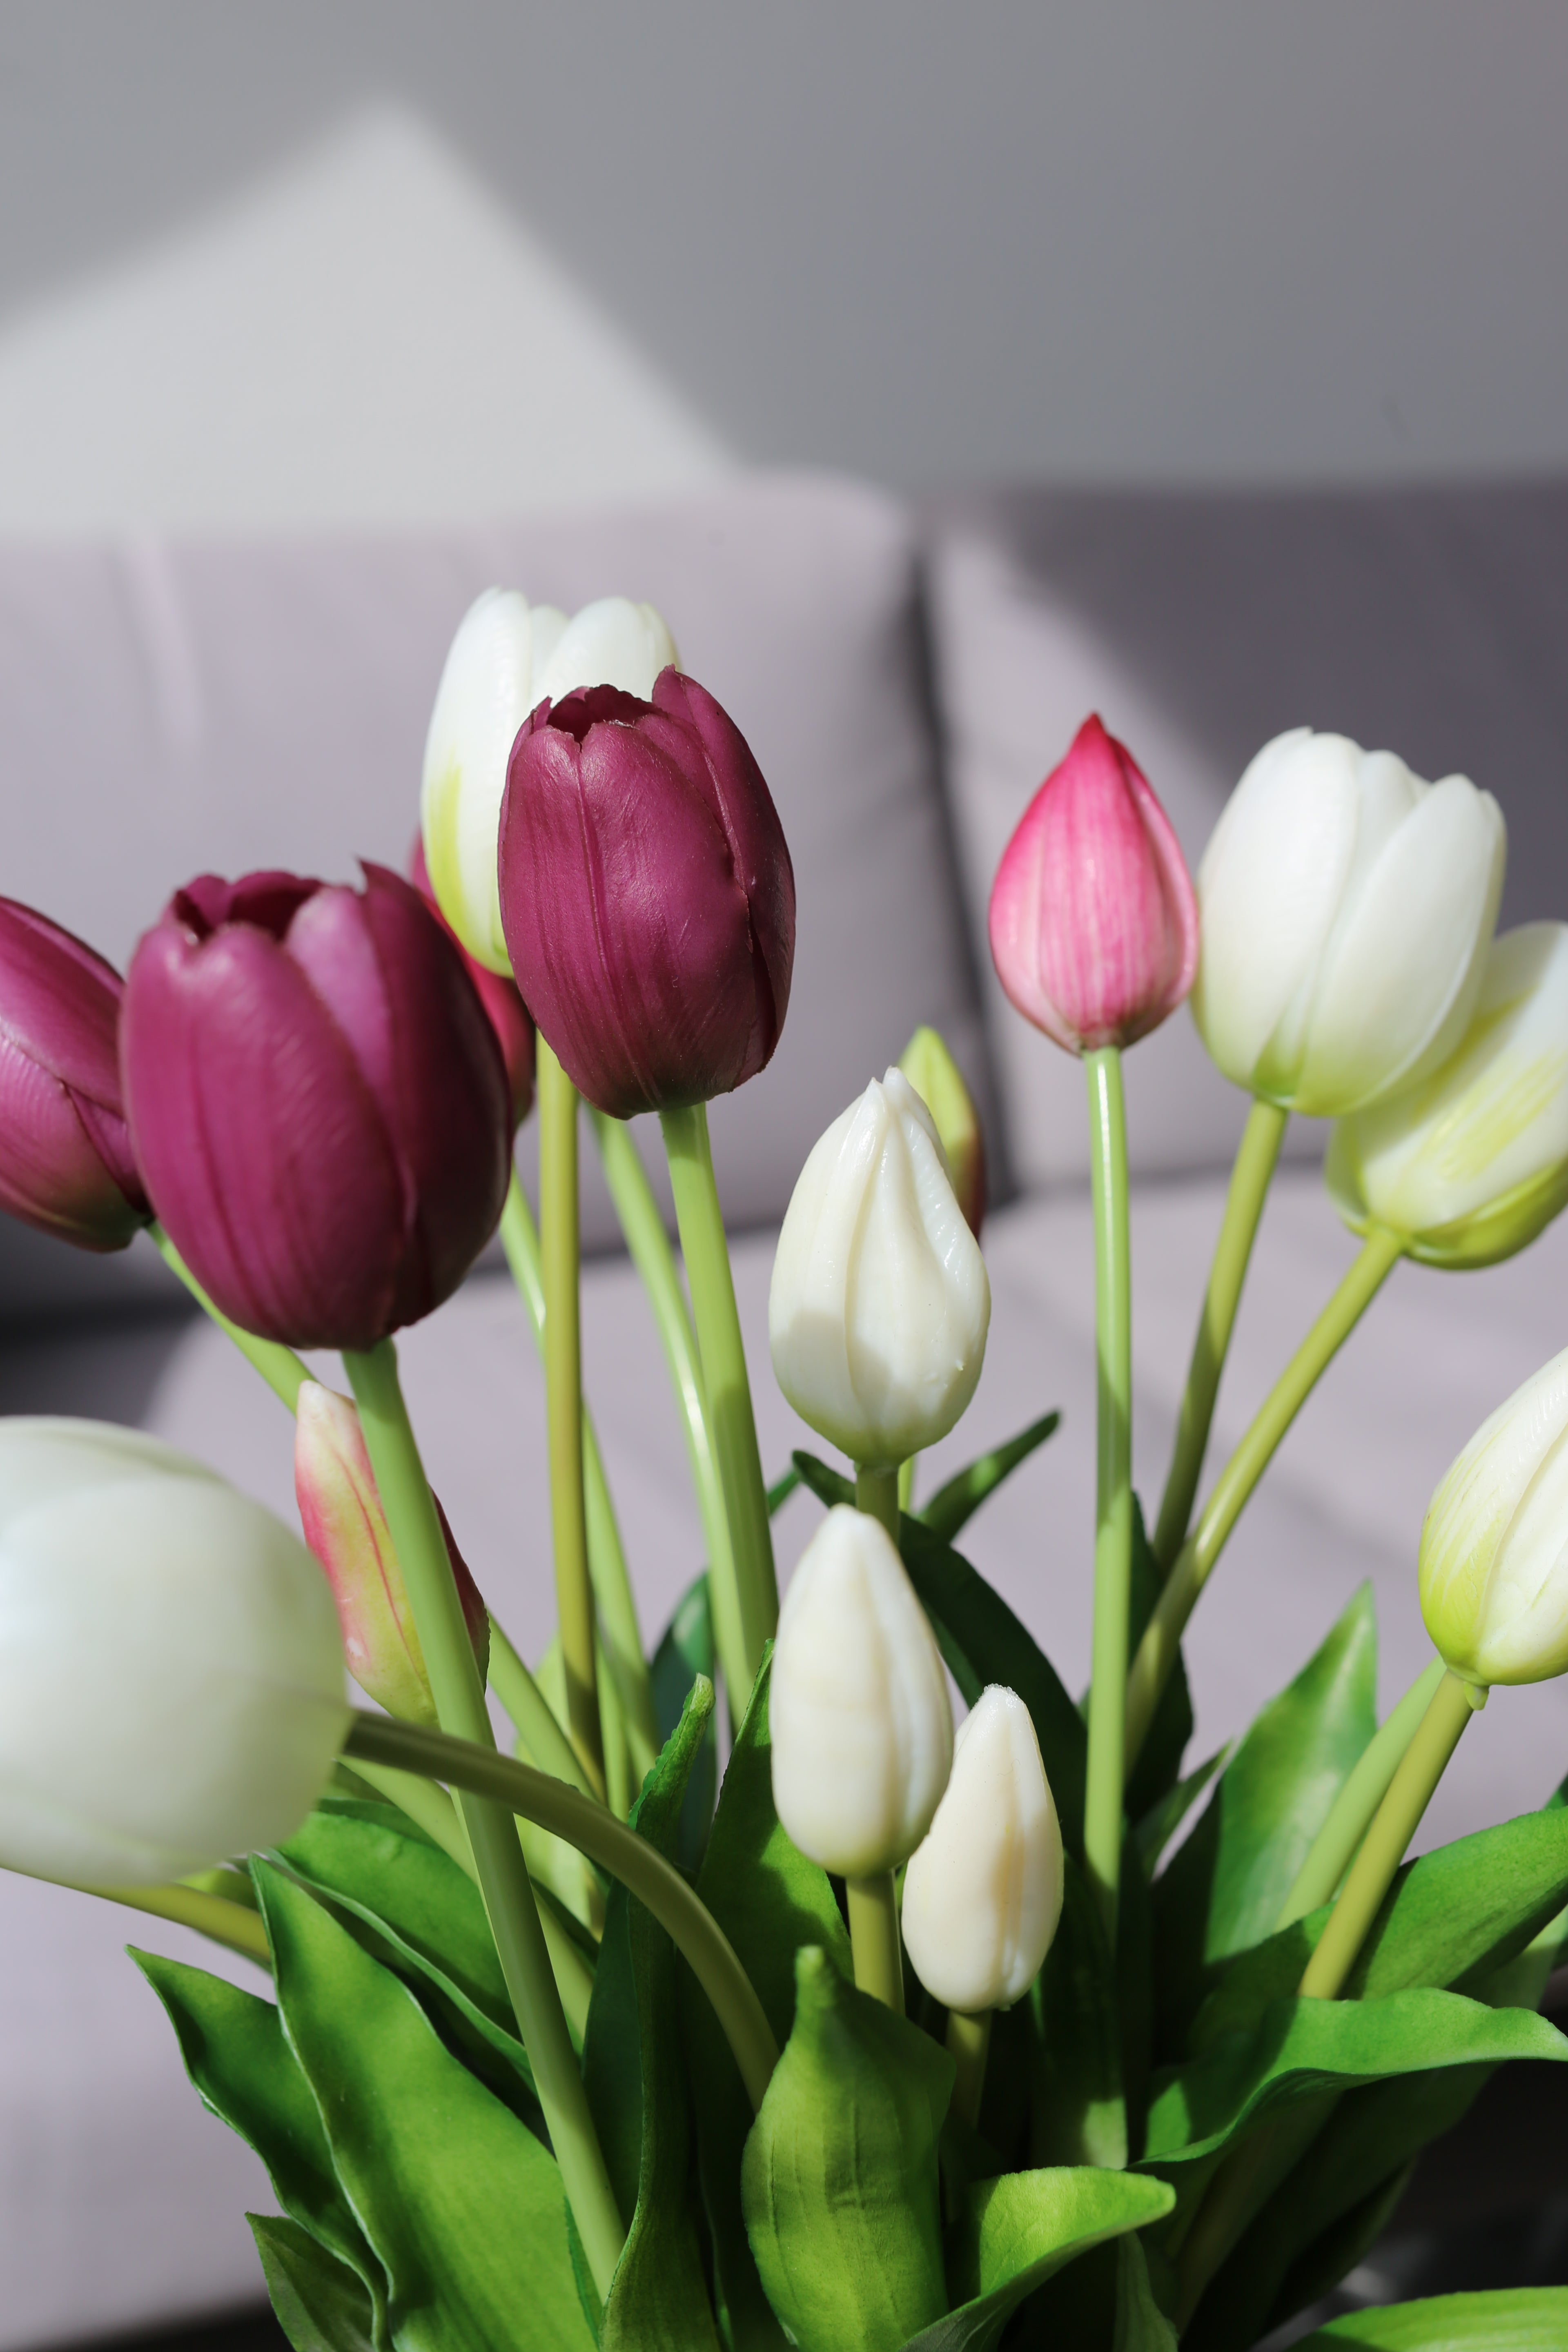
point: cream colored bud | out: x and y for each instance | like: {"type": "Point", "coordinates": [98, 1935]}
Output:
{"type": "Point", "coordinates": [1494, 1547]}
{"type": "Point", "coordinates": [984, 1893]}
{"type": "Point", "coordinates": [858, 1708]}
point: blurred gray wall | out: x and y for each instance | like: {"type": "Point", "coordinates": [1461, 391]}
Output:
{"type": "Point", "coordinates": [1167, 241]}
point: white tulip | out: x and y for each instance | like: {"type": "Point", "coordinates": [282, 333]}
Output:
{"type": "Point", "coordinates": [506, 658]}
{"type": "Point", "coordinates": [858, 1706]}
{"type": "Point", "coordinates": [984, 1893]}
{"type": "Point", "coordinates": [1345, 908]}
{"type": "Point", "coordinates": [880, 1304]}
{"type": "Point", "coordinates": [171, 1672]}
{"type": "Point", "coordinates": [1470, 1164]}
{"type": "Point", "coordinates": [1494, 1547]}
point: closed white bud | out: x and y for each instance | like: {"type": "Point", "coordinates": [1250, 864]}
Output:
{"type": "Point", "coordinates": [880, 1304]}
{"type": "Point", "coordinates": [1494, 1547]}
{"type": "Point", "coordinates": [505, 659]}
{"type": "Point", "coordinates": [984, 1893]}
{"type": "Point", "coordinates": [171, 1675]}
{"type": "Point", "coordinates": [858, 1706]}
{"type": "Point", "coordinates": [1345, 909]}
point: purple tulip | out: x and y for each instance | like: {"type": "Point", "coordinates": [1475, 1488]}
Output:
{"type": "Point", "coordinates": [317, 1101]}
{"type": "Point", "coordinates": [646, 895]}
{"type": "Point", "coordinates": [66, 1164]}
{"type": "Point", "coordinates": [496, 992]}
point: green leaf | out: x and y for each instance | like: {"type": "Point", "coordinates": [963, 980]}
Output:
{"type": "Point", "coordinates": [321, 2306]}
{"type": "Point", "coordinates": [982, 1642]}
{"type": "Point", "coordinates": [781, 1490]}
{"type": "Point", "coordinates": [1159, 1760]}
{"type": "Point", "coordinates": [1509, 2319]}
{"type": "Point", "coordinates": [839, 2182]}
{"type": "Point", "coordinates": [961, 1496]}
{"type": "Point", "coordinates": [234, 2054]}
{"type": "Point", "coordinates": [770, 1901]}
{"type": "Point", "coordinates": [1141, 2324]}
{"type": "Point", "coordinates": [1299, 2048]}
{"type": "Point", "coordinates": [461, 2203]}
{"type": "Point", "coordinates": [1016, 2230]}
{"type": "Point", "coordinates": [1160, 1823]}
{"type": "Point", "coordinates": [1079, 2113]}
{"type": "Point", "coordinates": [686, 1651]}
{"type": "Point", "coordinates": [658, 2297]}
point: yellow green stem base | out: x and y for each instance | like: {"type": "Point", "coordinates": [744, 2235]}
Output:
{"type": "Point", "coordinates": [875, 1939]}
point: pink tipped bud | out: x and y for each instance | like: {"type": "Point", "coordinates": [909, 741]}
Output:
{"type": "Point", "coordinates": [1094, 924]}
{"type": "Point", "coordinates": [346, 1528]}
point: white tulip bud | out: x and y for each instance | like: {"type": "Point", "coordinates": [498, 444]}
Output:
{"type": "Point", "coordinates": [1494, 1547]}
{"type": "Point", "coordinates": [1470, 1164]}
{"type": "Point", "coordinates": [880, 1304]}
{"type": "Point", "coordinates": [1345, 908]}
{"type": "Point", "coordinates": [171, 1673]}
{"type": "Point", "coordinates": [857, 1706]}
{"type": "Point", "coordinates": [506, 658]}
{"type": "Point", "coordinates": [984, 1893]}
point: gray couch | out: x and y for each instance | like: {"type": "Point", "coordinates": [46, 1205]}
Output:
{"type": "Point", "coordinates": [904, 680]}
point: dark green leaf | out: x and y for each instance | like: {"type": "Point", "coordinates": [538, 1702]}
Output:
{"type": "Point", "coordinates": [1016, 2230]}
{"type": "Point", "coordinates": [1299, 2048]}
{"type": "Point", "coordinates": [1158, 1763]}
{"type": "Point", "coordinates": [781, 1490]}
{"type": "Point", "coordinates": [1079, 2112]}
{"type": "Point", "coordinates": [1511, 2319]}
{"type": "Point", "coordinates": [1160, 1823]}
{"type": "Point", "coordinates": [321, 2306]}
{"type": "Point", "coordinates": [461, 2203]}
{"type": "Point", "coordinates": [236, 2056]}
{"type": "Point", "coordinates": [839, 2183]}
{"type": "Point", "coordinates": [1141, 2324]}
{"type": "Point", "coordinates": [770, 1901]}
{"type": "Point", "coordinates": [961, 1496]}
{"type": "Point", "coordinates": [686, 1651]}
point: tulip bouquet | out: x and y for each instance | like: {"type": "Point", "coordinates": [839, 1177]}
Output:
{"type": "Point", "coordinates": [881, 2036]}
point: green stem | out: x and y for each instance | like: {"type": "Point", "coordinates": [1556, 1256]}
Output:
{"type": "Point", "coordinates": [1239, 2190]}
{"type": "Point", "coordinates": [1393, 1825]}
{"type": "Point", "coordinates": [563, 1404]}
{"type": "Point", "coordinates": [724, 1381]}
{"type": "Point", "coordinates": [595, 1832]}
{"type": "Point", "coordinates": [1378, 1255]}
{"type": "Point", "coordinates": [877, 1494]}
{"type": "Point", "coordinates": [1256, 1160]}
{"type": "Point", "coordinates": [969, 2045]}
{"type": "Point", "coordinates": [1113, 1500]}
{"type": "Point", "coordinates": [503, 1874]}
{"type": "Point", "coordinates": [213, 1916]}
{"type": "Point", "coordinates": [280, 1366]}
{"type": "Point", "coordinates": [907, 1483]}
{"type": "Point", "coordinates": [533, 1715]}
{"type": "Point", "coordinates": [875, 1940]}
{"type": "Point", "coordinates": [1334, 1846]}
{"type": "Point", "coordinates": [619, 1789]}
{"type": "Point", "coordinates": [642, 1226]}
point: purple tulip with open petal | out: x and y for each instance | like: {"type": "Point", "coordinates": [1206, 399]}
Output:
{"type": "Point", "coordinates": [646, 895]}
{"type": "Point", "coordinates": [318, 1103]}
{"type": "Point", "coordinates": [66, 1164]}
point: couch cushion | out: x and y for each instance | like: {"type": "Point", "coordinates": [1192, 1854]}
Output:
{"type": "Point", "coordinates": [1199, 626]}
{"type": "Point", "coordinates": [168, 709]}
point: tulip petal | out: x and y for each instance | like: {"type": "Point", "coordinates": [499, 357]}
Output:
{"type": "Point", "coordinates": [611, 643]}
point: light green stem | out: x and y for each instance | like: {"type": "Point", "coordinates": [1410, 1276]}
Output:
{"type": "Point", "coordinates": [875, 1940]}
{"type": "Point", "coordinates": [1378, 1255]}
{"type": "Point", "coordinates": [1331, 1850]}
{"type": "Point", "coordinates": [504, 1882]}
{"type": "Point", "coordinates": [595, 1832]}
{"type": "Point", "coordinates": [1393, 1825]}
{"type": "Point", "coordinates": [907, 1483]}
{"type": "Point", "coordinates": [533, 1714]}
{"type": "Point", "coordinates": [877, 1494]}
{"type": "Point", "coordinates": [213, 1916]}
{"type": "Point", "coordinates": [969, 2045]}
{"type": "Point", "coordinates": [725, 1383]}
{"type": "Point", "coordinates": [1113, 1500]}
{"type": "Point", "coordinates": [280, 1366]}
{"type": "Point", "coordinates": [563, 1404]}
{"type": "Point", "coordinates": [618, 1787]}
{"type": "Point", "coordinates": [606, 1555]}
{"type": "Point", "coordinates": [1256, 1160]}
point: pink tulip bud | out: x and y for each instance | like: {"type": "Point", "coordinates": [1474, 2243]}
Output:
{"type": "Point", "coordinates": [1094, 924]}
{"type": "Point", "coordinates": [66, 1164]}
{"type": "Point", "coordinates": [345, 1527]}
{"type": "Point", "coordinates": [496, 992]}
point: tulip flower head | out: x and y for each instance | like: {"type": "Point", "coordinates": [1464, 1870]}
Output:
{"type": "Point", "coordinates": [1347, 909]}
{"type": "Point", "coordinates": [317, 1102]}
{"type": "Point", "coordinates": [646, 895]}
{"type": "Point", "coordinates": [1469, 1165]}
{"type": "Point", "coordinates": [66, 1164]}
{"type": "Point", "coordinates": [1494, 1547]}
{"type": "Point", "coordinates": [1094, 931]}
{"type": "Point", "coordinates": [879, 1303]}
{"type": "Point", "coordinates": [939, 1082]}
{"type": "Point", "coordinates": [496, 992]}
{"type": "Point", "coordinates": [858, 1706]}
{"type": "Point", "coordinates": [507, 657]}
{"type": "Point", "coordinates": [171, 1677]}
{"type": "Point", "coordinates": [983, 1893]}
{"type": "Point", "coordinates": [345, 1527]}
